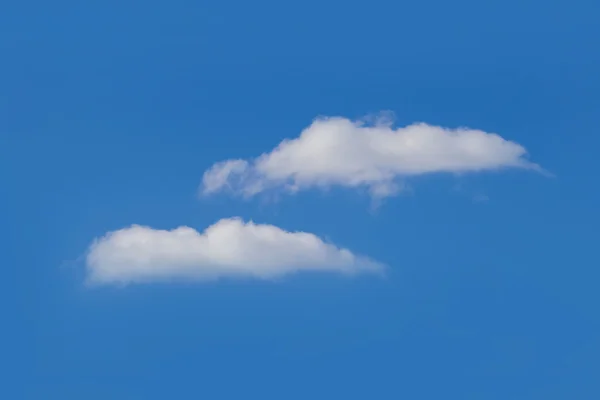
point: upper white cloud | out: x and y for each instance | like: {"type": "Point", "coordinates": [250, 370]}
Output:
{"type": "Point", "coordinates": [229, 248]}
{"type": "Point", "coordinates": [337, 151]}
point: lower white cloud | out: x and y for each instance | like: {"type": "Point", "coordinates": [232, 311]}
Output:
{"type": "Point", "coordinates": [229, 248]}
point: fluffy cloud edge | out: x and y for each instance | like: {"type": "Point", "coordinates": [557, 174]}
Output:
{"type": "Point", "coordinates": [229, 249]}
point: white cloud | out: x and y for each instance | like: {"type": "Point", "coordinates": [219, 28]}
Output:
{"type": "Point", "coordinates": [337, 151]}
{"type": "Point", "coordinates": [229, 248]}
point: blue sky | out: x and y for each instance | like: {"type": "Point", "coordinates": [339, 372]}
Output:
{"type": "Point", "coordinates": [111, 112]}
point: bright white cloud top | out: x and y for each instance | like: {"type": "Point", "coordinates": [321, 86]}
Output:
{"type": "Point", "coordinates": [230, 248]}
{"type": "Point", "coordinates": [340, 152]}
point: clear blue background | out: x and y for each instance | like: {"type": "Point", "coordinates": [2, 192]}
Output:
{"type": "Point", "coordinates": [110, 112]}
